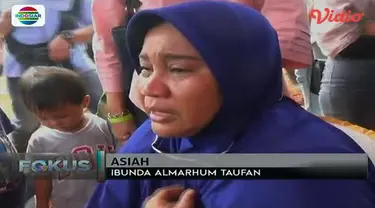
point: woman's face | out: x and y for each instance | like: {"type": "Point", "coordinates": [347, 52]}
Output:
{"type": "Point", "coordinates": [178, 90]}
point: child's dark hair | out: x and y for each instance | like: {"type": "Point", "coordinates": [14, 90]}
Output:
{"type": "Point", "coordinates": [46, 88]}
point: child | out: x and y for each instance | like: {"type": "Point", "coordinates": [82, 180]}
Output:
{"type": "Point", "coordinates": [59, 100]}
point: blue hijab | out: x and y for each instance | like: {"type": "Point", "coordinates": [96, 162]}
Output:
{"type": "Point", "coordinates": [241, 48]}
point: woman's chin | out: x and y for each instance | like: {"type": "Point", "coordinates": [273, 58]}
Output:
{"type": "Point", "coordinates": [167, 130]}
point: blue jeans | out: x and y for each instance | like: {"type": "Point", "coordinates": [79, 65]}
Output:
{"type": "Point", "coordinates": [311, 100]}
{"type": "Point", "coordinates": [25, 121]}
{"type": "Point", "coordinates": [348, 91]}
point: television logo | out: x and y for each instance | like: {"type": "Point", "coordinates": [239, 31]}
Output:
{"type": "Point", "coordinates": [28, 15]}
{"type": "Point", "coordinates": [41, 166]}
{"type": "Point", "coordinates": [330, 16]}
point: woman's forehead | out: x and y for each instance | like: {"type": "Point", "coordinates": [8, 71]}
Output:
{"type": "Point", "coordinates": [166, 40]}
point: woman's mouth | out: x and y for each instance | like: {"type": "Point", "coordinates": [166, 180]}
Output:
{"type": "Point", "coordinates": [160, 117]}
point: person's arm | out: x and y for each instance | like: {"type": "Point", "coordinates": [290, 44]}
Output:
{"type": "Point", "coordinates": [291, 88]}
{"type": "Point", "coordinates": [43, 185]}
{"type": "Point", "coordinates": [368, 26]}
{"type": "Point", "coordinates": [5, 23]}
{"type": "Point", "coordinates": [43, 190]}
{"type": "Point", "coordinates": [367, 23]}
{"type": "Point", "coordinates": [290, 76]}
{"type": "Point", "coordinates": [83, 35]}
{"type": "Point", "coordinates": [59, 47]}
{"type": "Point", "coordinates": [290, 20]}
{"type": "Point", "coordinates": [106, 16]}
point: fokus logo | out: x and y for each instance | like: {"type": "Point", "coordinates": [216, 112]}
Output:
{"type": "Point", "coordinates": [330, 16]}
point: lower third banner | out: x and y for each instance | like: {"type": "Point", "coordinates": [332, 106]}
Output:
{"type": "Point", "coordinates": [235, 173]}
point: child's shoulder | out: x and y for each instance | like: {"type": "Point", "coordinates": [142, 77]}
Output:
{"type": "Point", "coordinates": [97, 122]}
{"type": "Point", "coordinates": [42, 133]}
{"type": "Point", "coordinates": [98, 129]}
{"type": "Point", "coordinates": [40, 139]}
{"type": "Point", "coordinates": [96, 119]}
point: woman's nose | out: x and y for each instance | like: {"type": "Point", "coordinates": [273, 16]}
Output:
{"type": "Point", "coordinates": [154, 86]}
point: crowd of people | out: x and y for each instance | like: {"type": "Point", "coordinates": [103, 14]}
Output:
{"type": "Point", "coordinates": [181, 76]}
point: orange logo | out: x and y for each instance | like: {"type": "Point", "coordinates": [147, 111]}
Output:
{"type": "Point", "coordinates": [330, 16]}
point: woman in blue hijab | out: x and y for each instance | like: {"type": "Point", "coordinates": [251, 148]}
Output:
{"type": "Point", "coordinates": [211, 83]}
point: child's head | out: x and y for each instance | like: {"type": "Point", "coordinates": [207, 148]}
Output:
{"type": "Point", "coordinates": [56, 95]}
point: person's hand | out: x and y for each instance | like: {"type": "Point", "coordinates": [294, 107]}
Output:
{"type": "Point", "coordinates": [298, 98]}
{"type": "Point", "coordinates": [296, 94]}
{"type": "Point", "coordinates": [5, 23]}
{"type": "Point", "coordinates": [369, 28]}
{"type": "Point", "coordinates": [171, 197]}
{"type": "Point", "coordinates": [123, 130]}
{"type": "Point", "coordinates": [291, 88]}
{"type": "Point", "coordinates": [115, 104]}
{"type": "Point", "coordinates": [59, 49]}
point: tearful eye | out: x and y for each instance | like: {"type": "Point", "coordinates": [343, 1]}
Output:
{"type": "Point", "coordinates": [179, 70]}
{"type": "Point", "coordinates": [145, 72]}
